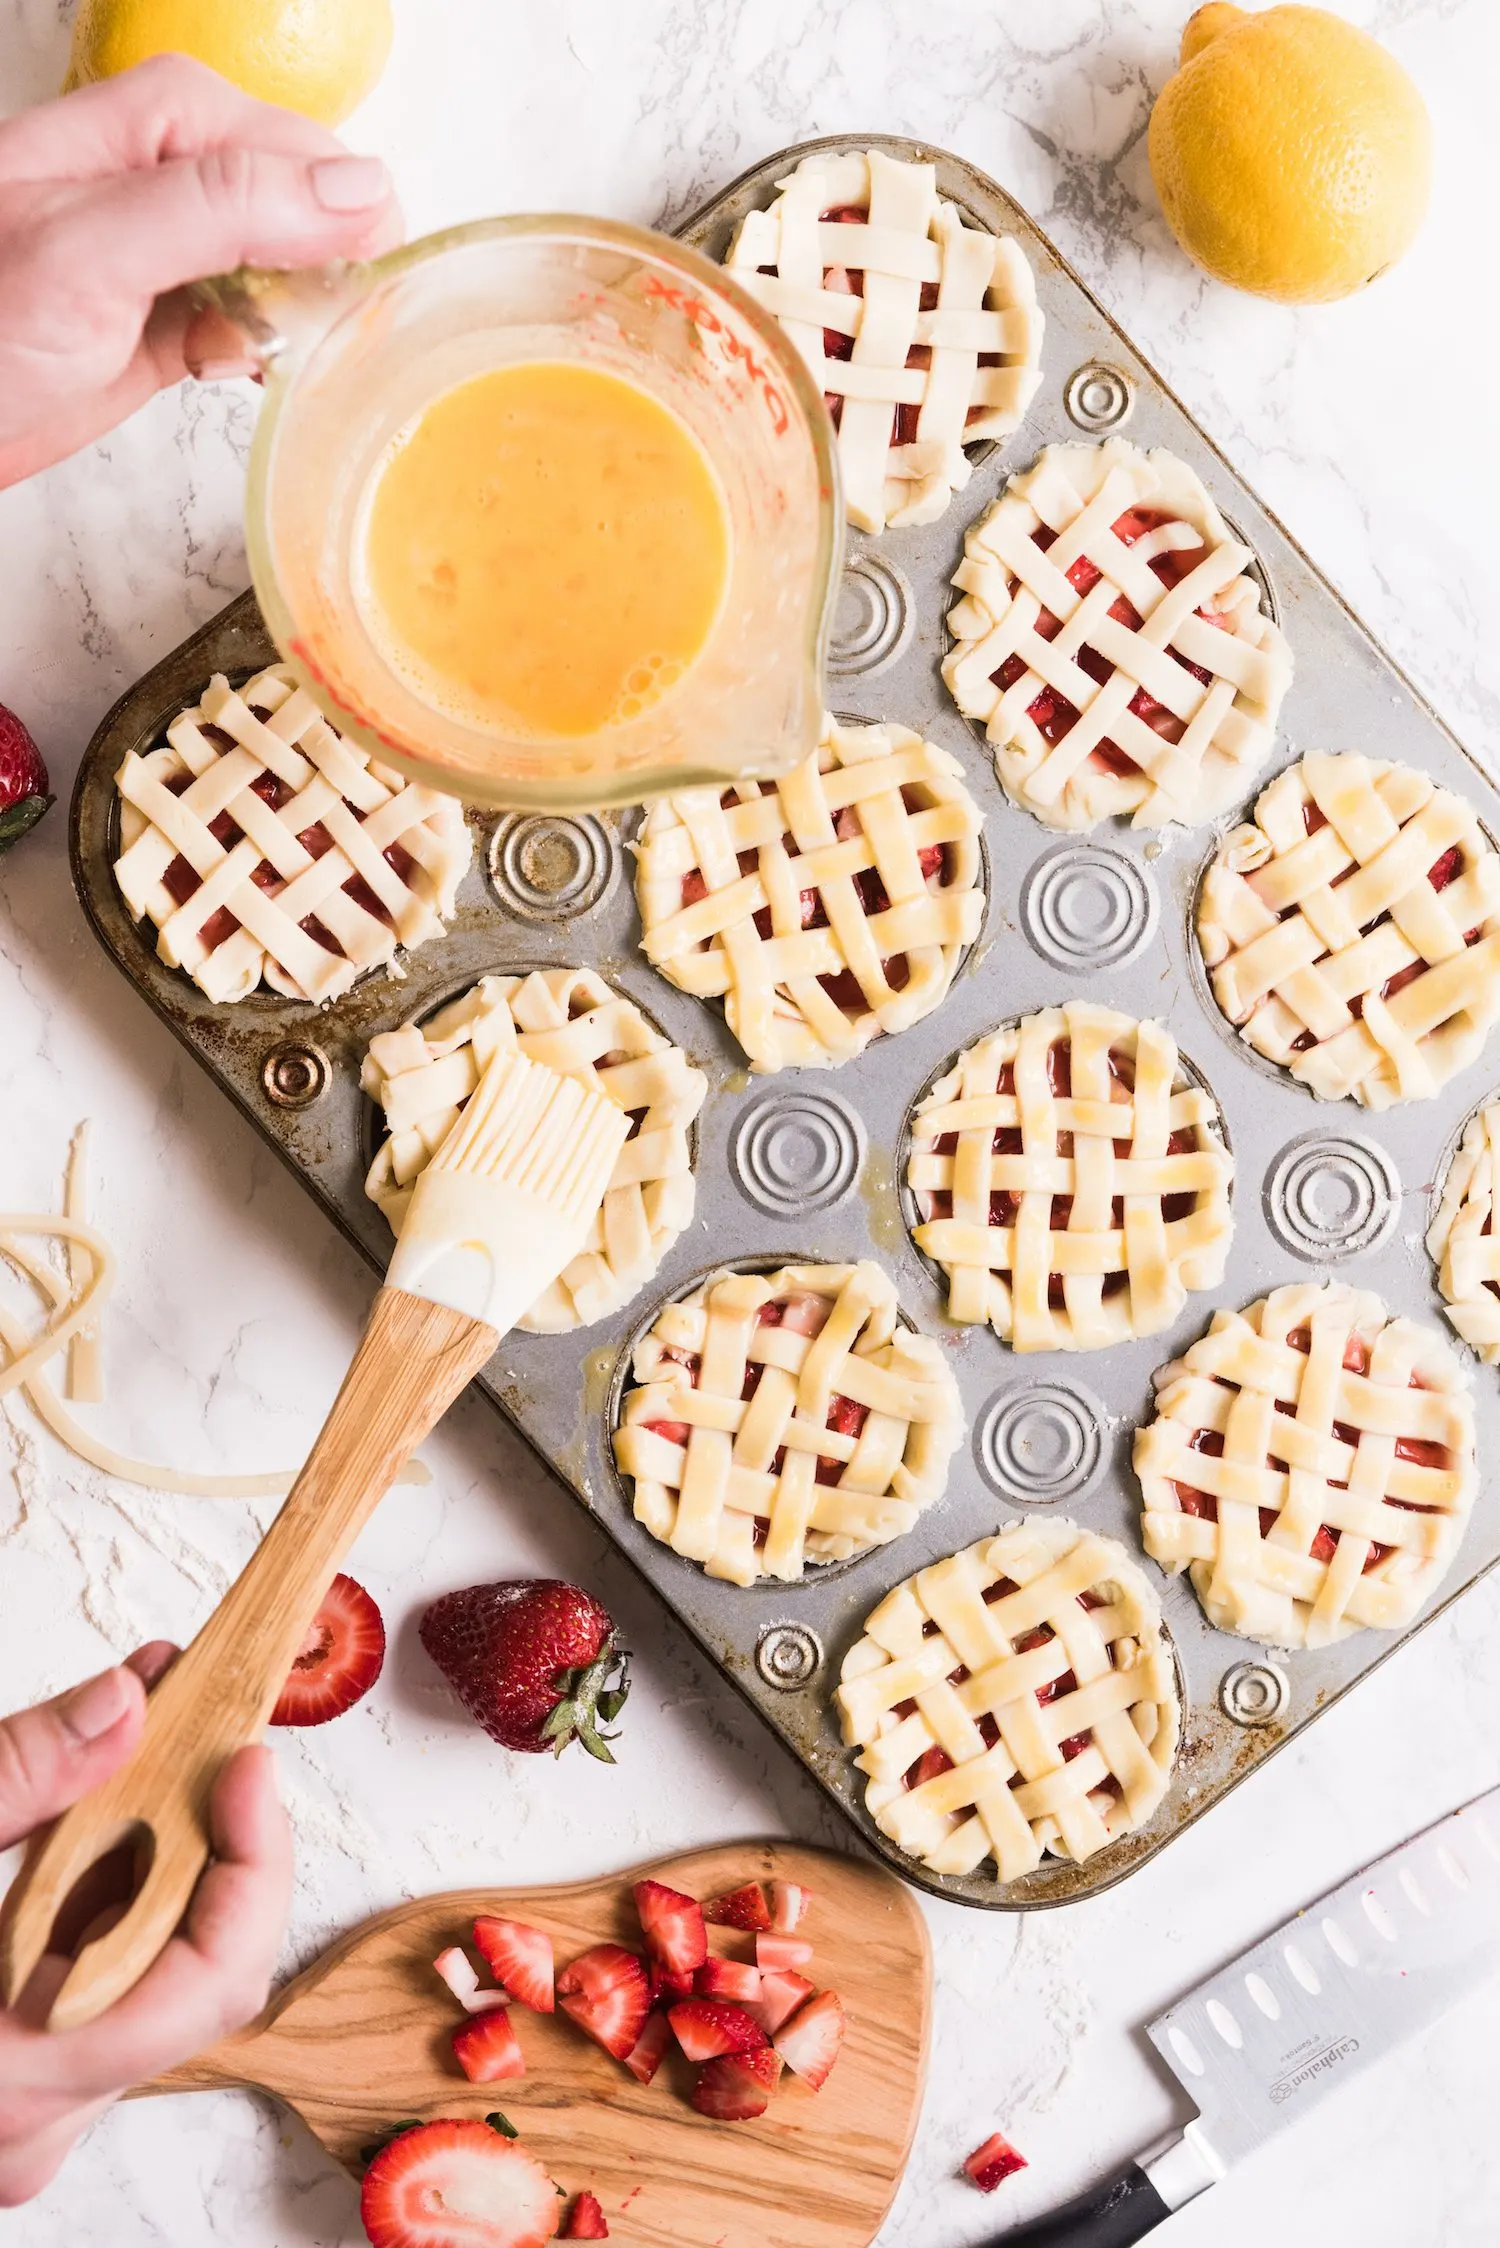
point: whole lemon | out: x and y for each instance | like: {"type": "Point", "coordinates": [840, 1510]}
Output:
{"type": "Point", "coordinates": [1292, 154]}
{"type": "Point", "coordinates": [318, 56]}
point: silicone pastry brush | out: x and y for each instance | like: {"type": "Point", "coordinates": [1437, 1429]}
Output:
{"type": "Point", "coordinates": [506, 1203]}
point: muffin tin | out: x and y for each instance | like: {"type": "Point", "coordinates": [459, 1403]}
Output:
{"type": "Point", "coordinates": [808, 1165]}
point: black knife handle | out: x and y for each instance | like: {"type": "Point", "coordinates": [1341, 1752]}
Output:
{"type": "Point", "coordinates": [1112, 2214]}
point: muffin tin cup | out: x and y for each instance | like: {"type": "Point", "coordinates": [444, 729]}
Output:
{"type": "Point", "coordinates": [812, 1158]}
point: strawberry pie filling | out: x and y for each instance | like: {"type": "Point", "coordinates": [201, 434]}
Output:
{"type": "Point", "coordinates": [1446, 868]}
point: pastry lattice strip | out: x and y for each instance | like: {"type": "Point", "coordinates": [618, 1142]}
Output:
{"type": "Point", "coordinates": [1462, 1239]}
{"type": "Point", "coordinates": [1014, 1699]}
{"type": "Point", "coordinates": [1072, 1181]}
{"type": "Point", "coordinates": [1311, 1463]}
{"type": "Point", "coordinates": [785, 1418]}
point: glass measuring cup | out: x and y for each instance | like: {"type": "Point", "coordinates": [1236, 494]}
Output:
{"type": "Point", "coordinates": [352, 354]}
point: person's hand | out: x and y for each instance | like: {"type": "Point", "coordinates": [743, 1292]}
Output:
{"type": "Point", "coordinates": [214, 1973]}
{"type": "Point", "coordinates": [116, 196]}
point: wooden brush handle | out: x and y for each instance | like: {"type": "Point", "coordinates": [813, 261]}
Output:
{"type": "Point", "coordinates": [412, 1361]}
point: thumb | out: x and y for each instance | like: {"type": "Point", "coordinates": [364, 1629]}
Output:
{"type": "Point", "coordinates": [150, 231]}
{"type": "Point", "coordinates": [51, 1755]}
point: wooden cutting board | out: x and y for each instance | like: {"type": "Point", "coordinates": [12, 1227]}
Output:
{"type": "Point", "coordinates": [360, 2040]}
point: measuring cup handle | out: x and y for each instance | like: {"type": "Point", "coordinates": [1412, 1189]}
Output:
{"type": "Point", "coordinates": [277, 316]}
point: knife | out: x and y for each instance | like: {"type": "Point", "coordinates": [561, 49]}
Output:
{"type": "Point", "coordinates": [1333, 1989]}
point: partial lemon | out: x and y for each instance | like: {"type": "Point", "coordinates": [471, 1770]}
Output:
{"type": "Point", "coordinates": [1292, 154]}
{"type": "Point", "coordinates": [318, 56]}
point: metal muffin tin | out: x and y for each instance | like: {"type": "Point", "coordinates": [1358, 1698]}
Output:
{"type": "Point", "coordinates": [807, 1165]}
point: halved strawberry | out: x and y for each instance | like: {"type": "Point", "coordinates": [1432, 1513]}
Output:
{"type": "Point", "coordinates": [457, 1971]}
{"type": "Point", "coordinates": [782, 1991]}
{"type": "Point", "coordinates": [645, 2056]}
{"type": "Point", "coordinates": [728, 1978]}
{"type": "Point", "coordinates": [809, 2043]}
{"type": "Point", "coordinates": [606, 1993]}
{"type": "Point", "coordinates": [457, 2182]}
{"type": "Point", "coordinates": [789, 1903]}
{"type": "Point", "coordinates": [487, 2048]}
{"type": "Point", "coordinates": [782, 1952]}
{"type": "Point", "coordinates": [737, 2087]}
{"type": "Point", "coordinates": [521, 1958]}
{"type": "Point", "coordinates": [740, 1908]}
{"type": "Point", "coordinates": [585, 2220]}
{"type": "Point", "coordinates": [676, 1939]}
{"type": "Point", "coordinates": [338, 1661]}
{"type": "Point", "coordinates": [707, 2027]}
{"type": "Point", "coordinates": [996, 2160]}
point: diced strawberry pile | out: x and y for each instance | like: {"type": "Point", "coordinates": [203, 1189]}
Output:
{"type": "Point", "coordinates": [992, 2163]}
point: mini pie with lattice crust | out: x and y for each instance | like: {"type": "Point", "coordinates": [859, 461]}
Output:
{"type": "Point", "coordinates": [1352, 929]}
{"type": "Point", "coordinates": [922, 333]}
{"type": "Point", "coordinates": [824, 909]}
{"type": "Point", "coordinates": [782, 1418]}
{"type": "Point", "coordinates": [268, 849]}
{"type": "Point", "coordinates": [1311, 1464]}
{"type": "Point", "coordinates": [1462, 1240]}
{"type": "Point", "coordinates": [1111, 642]}
{"type": "Point", "coordinates": [1071, 1180]}
{"type": "Point", "coordinates": [1015, 1699]}
{"type": "Point", "coordinates": [570, 1020]}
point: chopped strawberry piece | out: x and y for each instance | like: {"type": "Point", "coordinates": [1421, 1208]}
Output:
{"type": "Point", "coordinates": [521, 1958]}
{"type": "Point", "coordinates": [997, 2159]}
{"type": "Point", "coordinates": [782, 1951]}
{"type": "Point", "coordinates": [606, 1993]}
{"type": "Point", "coordinates": [789, 1903]}
{"type": "Point", "coordinates": [737, 2087]}
{"type": "Point", "coordinates": [585, 2220]}
{"type": "Point", "coordinates": [1446, 869]}
{"type": "Point", "coordinates": [930, 1765]}
{"type": "Point", "coordinates": [676, 1939]}
{"type": "Point", "coordinates": [645, 2056]}
{"type": "Point", "coordinates": [338, 1661]}
{"type": "Point", "coordinates": [671, 1432]}
{"type": "Point", "coordinates": [739, 1908]}
{"type": "Point", "coordinates": [457, 2181]}
{"type": "Point", "coordinates": [809, 2043]}
{"type": "Point", "coordinates": [727, 1978]}
{"type": "Point", "coordinates": [782, 1991]}
{"type": "Point", "coordinates": [707, 2027]}
{"type": "Point", "coordinates": [666, 1988]}
{"type": "Point", "coordinates": [457, 1971]}
{"type": "Point", "coordinates": [487, 2048]}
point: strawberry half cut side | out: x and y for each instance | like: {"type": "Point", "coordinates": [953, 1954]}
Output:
{"type": "Point", "coordinates": [740, 1908]}
{"type": "Point", "coordinates": [676, 1939]}
{"type": "Point", "coordinates": [487, 2048]}
{"type": "Point", "coordinates": [810, 2041]}
{"type": "Point", "coordinates": [585, 2220]}
{"type": "Point", "coordinates": [606, 1993]}
{"type": "Point", "coordinates": [992, 2163]}
{"type": "Point", "coordinates": [457, 2181]}
{"type": "Point", "coordinates": [737, 2087]}
{"type": "Point", "coordinates": [645, 2056]}
{"type": "Point", "coordinates": [521, 1958]}
{"type": "Point", "coordinates": [707, 2027]}
{"type": "Point", "coordinates": [339, 1660]}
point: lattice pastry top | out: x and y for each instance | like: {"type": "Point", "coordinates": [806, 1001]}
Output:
{"type": "Point", "coordinates": [1112, 643]}
{"type": "Point", "coordinates": [569, 1019]}
{"type": "Point", "coordinates": [1462, 1239]}
{"type": "Point", "coordinates": [268, 849]}
{"type": "Point", "coordinates": [1071, 1180]}
{"type": "Point", "coordinates": [1016, 1698]}
{"type": "Point", "coordinates": [922, 333]}
{"type": "Point", "coordinates": [823, 908]}
{"type": "Point", "coordinates": [1352, 930]}
{"type": "Point", "coordinates": [1311, 1463]}
{"type": "Point", "coordinates": [786, 1417]}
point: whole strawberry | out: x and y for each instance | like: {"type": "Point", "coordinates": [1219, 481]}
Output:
{"type": "Point", "coordinates": [24, 792]}
{"type": "Point", "coordinates": [534, 1662]}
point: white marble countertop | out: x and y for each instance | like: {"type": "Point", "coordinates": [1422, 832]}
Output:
{"type": "Point", "coordinates": [239, 1308]}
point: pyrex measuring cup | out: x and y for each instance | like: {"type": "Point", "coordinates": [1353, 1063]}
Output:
{"type": "Point", "coordinates": [352, 354]}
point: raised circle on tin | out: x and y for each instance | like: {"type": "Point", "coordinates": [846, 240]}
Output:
{"type": "Point", "coordinates": [788, 1656]}
{"type": "Point", "coordinates": [1331, 1195]}
{"type": "Point", "coordinates": [1253, 1693]}
{"type": "Point", "coordinates": [1086, 906]}
{"type": "Point", "coordinates": [295, 1076]}
{"type": "Point", "coordinates": [873, 617]}
{"type": "Point", "coordinates": [551, 867]}
{"type": "Point", "coordinates": [796, 1151]}
{"type": "Point", "coordinates": [1040, 1444]}
{"type": "Point", "coordinates": [1099, 397]}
